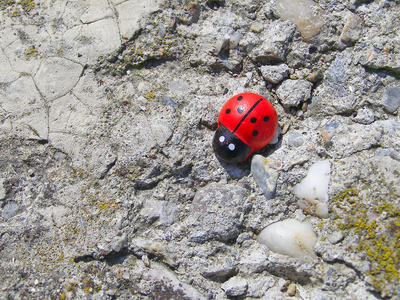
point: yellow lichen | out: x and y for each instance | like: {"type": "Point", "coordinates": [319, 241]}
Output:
{"type": "Point", "coordinates": [378, 236]}
{"type": "Point", "coordinates": [32, 52]}
{"type": "Point", "coordinates": [27, 5]}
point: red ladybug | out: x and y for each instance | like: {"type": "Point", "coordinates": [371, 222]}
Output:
{"type": "Point", "coordinates": [247, 122]}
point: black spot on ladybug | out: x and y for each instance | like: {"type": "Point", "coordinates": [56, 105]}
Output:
{"type": "Point", "coordinates": [228, 111]}
{"type": "Point", "coordinates": [240, 109]}
{"type": "Point", "coordinates": [255, 133]}
{"type": "Point", "coordinates": [239, 98]}
{"type": "Point", "coordinates": [253, 120]}
{"type": "Point", "coordinates": [266, 119]}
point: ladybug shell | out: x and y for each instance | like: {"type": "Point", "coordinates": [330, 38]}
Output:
{"type": "Point", "coordinates": [251, 119]}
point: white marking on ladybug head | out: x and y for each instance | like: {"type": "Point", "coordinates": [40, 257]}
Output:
{"type": "Point", "coordinates": [231, 147]}
{"type": "Point", "coordinates": [221, 139]}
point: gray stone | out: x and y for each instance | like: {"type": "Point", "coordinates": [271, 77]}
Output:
{"type": "Point", "coordinates": [2, 189]}
{"type": "Point", "coordinates": [10, 210]}
{"type": "Point", "coordinates": [391, 99]}
{"type": "Point", "coordinates": [245, 236]}
{"type": "Point", "coordinates": [275, 40]}
{"type": "Point", "coordinates": [56, 215]}
{"type": "Point", "coordinates": [295, 139]}
{"type": "Point", "coordinates": [275, 74]}
{"type": "Point", "coordinates": [352, 28]}
{"type": "Point", "coordinates": [93, 154]}
{"type": "Point", "coordinates": [335, 237]}
{"type": "Point", "coordinates": [56, 77]}
{"type": "Point", "coordinates": [220, 274]}
{"type": "Point", "coordinates": [335, 277]}
{"type": "Point", "coordinates": [7, 36]}
{"type": "Point", "coordinates": [258, 287]}
{"type": "Point", "coordinates": [234, 40]}
{"type": "Point", "coordinates": [337, 76]}
{"type": "Point", "coordinates": [293, 92]}
{"type": "Point", "coordinates": [265, 176]}
{"type": "Point", "coordinates": [256, 27]}
{"type": "Point", "coordinates": [365, 116]}
{"type": "Point", "coordinates": [121, 241]}
{"type": "Point", "coordinates": [234, 287]}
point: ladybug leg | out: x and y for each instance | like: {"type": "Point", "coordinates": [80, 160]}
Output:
{"type": "Point", "coordinates": [228, 146]}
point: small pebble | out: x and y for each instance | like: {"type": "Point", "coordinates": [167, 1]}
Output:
{"type": "Point", "coordinates": [291, 289]}
{"type": "Point", "coordinates": [365, 116]}
{"type": "Point", "coordinates": [328, 132]}
{"type": "Point", "coordinates": [10, 210]}
{"type": "Point", "coordinates": [295, 139]}
{"type": "Point", "coordinates": [244, 237]}
{"type": "Point", "coordinates": [234, 287]}
{"type": "Point", "coordinates": [234, 40]}
{"type": "Point", "coordinates": [275, 74]}
{"type": "Point", "coordinates": [31, 173]}
{"type": "Point", "coordinates": [335, 237]}
{"type": "Point", "coordinates": [120, 243]}
{"type": "Point", "coordinates": [59, 156]}
{"type": "Point", "coordinates": [313, 189]}
{"type": "Point", "coordinates": [257, 27]}
{"type": "Point", "coordinates": [315, 76]}
{"type": "Point", "coordinates": [290, 237]}
{"type": "Point", "coordinates": [265, 176]}
{"type": "Point", "coordinates": [221, 45]}
{"type": "Point", "coordinates": [162, 32]}
{"type": "Point", "coordinates": [177, 86]}
{"type": "Point", "coordinates": [391, 99]}
{"type": "Point", "coordinates": [146, 260]}
{"type": "Point", "coordinates": [281, 282]}
{"type": "Point", "coordinates": [2, 189]}
{"type": "Point", "coordinates": [293, 92]}
{"type": "Point", "coordinates": [352, 29]}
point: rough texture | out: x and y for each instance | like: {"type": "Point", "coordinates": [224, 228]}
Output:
{"type": "Point", "coordinates": [109, 188]}
{"type": "Point", "coordinates": [293, 92]}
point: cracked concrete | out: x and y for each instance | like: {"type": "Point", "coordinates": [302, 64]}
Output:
{"type": "Point", "coordinates": [53, 52]}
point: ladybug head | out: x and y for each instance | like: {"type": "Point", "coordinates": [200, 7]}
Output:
{"type": "Point", "coordinates": [228, 146]}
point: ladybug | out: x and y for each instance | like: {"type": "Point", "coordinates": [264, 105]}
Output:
{"type": "Point", "coordinates": [247, 122]}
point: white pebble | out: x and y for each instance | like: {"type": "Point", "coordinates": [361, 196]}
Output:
{"type": "Point", "coordinates": [120, 243]}
{"type": "Point", "coordinates": [290, 237]}
{"type": "Point", "coordinates": [314, 188]}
